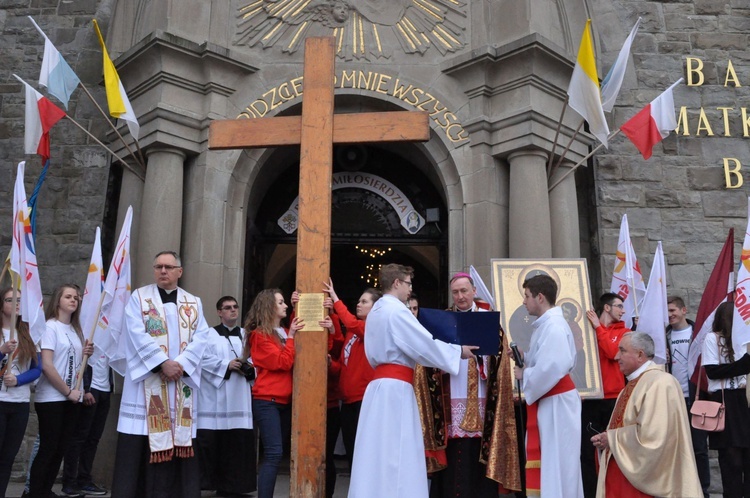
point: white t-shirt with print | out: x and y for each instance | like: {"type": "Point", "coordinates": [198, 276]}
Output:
{"type": "Point", "coordinates": [68, 356]}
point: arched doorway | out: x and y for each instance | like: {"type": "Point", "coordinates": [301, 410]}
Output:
{"type": "Point", "coordinates": [375, 189]}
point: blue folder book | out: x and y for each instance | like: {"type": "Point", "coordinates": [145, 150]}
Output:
{"type": "Point", "coordinates": [467, 329]}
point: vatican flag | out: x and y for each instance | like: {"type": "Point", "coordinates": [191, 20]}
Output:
{"type": "Point", "coordinates": [117, 99]}
{"type": "Point", "coordinates": [583, 92]}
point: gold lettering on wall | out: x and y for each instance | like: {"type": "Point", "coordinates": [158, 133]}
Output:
{"type": "Point", "coordinates": [694, 66]}
{"type": "Point", "coordinates": [381, 83]}
{"type": "Point", "coordinates": [730, 173]}
{"type": "Point", "coordinates": [731, 76]}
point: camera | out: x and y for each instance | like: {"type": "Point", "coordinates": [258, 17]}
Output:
{"type": "Point", "coordinates": [248, 371]}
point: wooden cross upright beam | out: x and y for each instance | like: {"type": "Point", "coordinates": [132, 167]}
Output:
{"type": "Point", "coordinates": [316, 131]}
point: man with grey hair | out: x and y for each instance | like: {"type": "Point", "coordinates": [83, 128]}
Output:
{"type": "Point", "coordinates": [646, 447]}
{"type": "Point", "coordinates": [163, 339]}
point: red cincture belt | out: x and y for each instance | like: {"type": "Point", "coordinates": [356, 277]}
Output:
{"type": "Point", "coordinates": [394, 371]}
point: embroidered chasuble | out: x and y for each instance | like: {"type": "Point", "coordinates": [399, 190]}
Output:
{"type": "Point", "coordinates": [478, 402]}
{"type": "Point", "coordinates": [649, 440]}
{"type": "Point", "coordinates": [158, 331]}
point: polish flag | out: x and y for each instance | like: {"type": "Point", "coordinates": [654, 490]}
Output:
{"type": "Point", "coordinates": [653, 123]}
{"type": "Point", "coordinates": [41, 116]}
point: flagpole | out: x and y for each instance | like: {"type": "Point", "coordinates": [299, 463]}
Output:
{"type": "Point", "coordinates": [90, 340]}
{"type": "Point", "coordinates": [14, 313]}
{"type": "Point", "coordinates": [136, 173]}
{"type": "Point", "coordinates": [4, 271]}
{"type": "Point", "coordinates": [114, 128]}
{"type": "Point", "coordinates": [557, 134]}
{"type": "Point", "coordinates": [567, 148]}
{"type": "Point", "coordinates": [612, 135]}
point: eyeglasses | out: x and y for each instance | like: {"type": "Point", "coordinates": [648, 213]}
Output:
{"type": "Point", "coordinates": [165, 267]}
{"type": "Point", "coordinates": [10, 299]}
{"type": "Point", "coordinates": [619, 306]}
{"type": "Point", "coordinates": [407, 282]}
{"type": "Point", "coordinates": [230, 307]}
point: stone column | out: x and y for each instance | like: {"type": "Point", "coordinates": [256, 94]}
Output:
{"type": "Point", "coordinates": [161, 212]}
{"type": "Point", "coordinates": [530, 234]}
{"type": "Point", "coordinates": [563, 205]}
{"type": "Point", "coordinates": [131, 194]}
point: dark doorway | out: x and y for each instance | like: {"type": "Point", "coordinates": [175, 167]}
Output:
{"type": "Point", "coordinates": [367, 230]}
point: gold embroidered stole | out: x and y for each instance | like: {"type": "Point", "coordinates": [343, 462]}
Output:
{"type": "Point", "coordinates": [165, 440]}
{"type": "Point", "coordinates": [618, 414]}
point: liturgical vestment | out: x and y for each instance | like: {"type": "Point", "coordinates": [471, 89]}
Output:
{"type": "Point", "coordinates": [649, 438]}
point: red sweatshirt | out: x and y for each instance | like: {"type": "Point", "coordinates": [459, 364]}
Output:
{"type": "Point", "coordinates": [357, 372]}
{"type": "Point", "coordinates": [273, 363]}
{"type": "Point", "coordinates": [608, 339]}
{"type": "Point", "coordinates": [335, 344]}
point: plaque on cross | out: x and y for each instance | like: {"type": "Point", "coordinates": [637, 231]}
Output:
{"type": "Point", "coordinates": [315, 131]}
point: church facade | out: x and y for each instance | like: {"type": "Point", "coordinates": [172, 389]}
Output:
{"type": "Point", "coordinates": [492, 75]}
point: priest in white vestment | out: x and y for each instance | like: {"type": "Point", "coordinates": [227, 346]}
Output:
{"type": "Point", "coordinates": [389, 459]}
{"type": "Point", "coordinates": [647, 449]}
{"type": "Point", "coordinates": [553, 464]}
{"type": "Point", "coordinates": [163, 341]}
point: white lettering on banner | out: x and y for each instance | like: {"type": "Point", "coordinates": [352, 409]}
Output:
{"type": "Point", "coordinates": [411, 220]}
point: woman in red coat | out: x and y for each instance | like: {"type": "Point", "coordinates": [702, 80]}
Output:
{"type": "Point", "coordinates": [356, 371]}
{"type": "Point", "coordinates": [271, 349]}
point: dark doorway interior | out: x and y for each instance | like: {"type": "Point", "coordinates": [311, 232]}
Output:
{"type": "Point", "coordinates": [366, 230]}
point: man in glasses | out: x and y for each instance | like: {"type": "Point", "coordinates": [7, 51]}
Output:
{"type": "Point", "coordinates": [226, 441]}
{"type": "Point", "coordinates": [679, 336]}
{"type": "Point", "coordinates": [595, 413]}
{"type": "Point", "coordinates": [164, 339]}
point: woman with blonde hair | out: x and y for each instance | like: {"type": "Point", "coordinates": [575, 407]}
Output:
{"type": "Point", "coordinates": [57, 399]}
{"type": "Point", "coordinates": [20, 366]}
{"type": "Point", "coordinates": [271, 348]}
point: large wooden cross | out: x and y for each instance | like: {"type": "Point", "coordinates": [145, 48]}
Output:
{"type": "Point", "coordinates": [315, 131]}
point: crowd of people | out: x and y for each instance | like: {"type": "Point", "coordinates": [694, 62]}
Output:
{"type": "Point", "coordinates": [418, 417]}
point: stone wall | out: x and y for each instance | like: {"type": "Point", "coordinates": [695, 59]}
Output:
{"type": "Point", "coordinates": [678, 196]}
{"type": "Point", "coordinates": [74, 199]}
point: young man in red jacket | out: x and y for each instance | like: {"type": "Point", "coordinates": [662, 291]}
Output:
{"type": "Point", "coordinates": [595, 413]}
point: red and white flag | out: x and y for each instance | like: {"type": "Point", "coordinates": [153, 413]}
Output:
{"type": "Point", "coordinates": [41, 116]}
{"type": "Point", "coordinates": [718, 289]}
{"type": "Point", "coordinates": [741, 322]}
{"type": "Point", "coordinates": [627, 279]}
{"type": "Point", "coordinates": [653, 123]}
{"type": "Point", "coordinates": [23, 261]}
{"type": "Point", "coordinates": [116, 296]}
{"type": "Point", "coordinates": [654, 316]}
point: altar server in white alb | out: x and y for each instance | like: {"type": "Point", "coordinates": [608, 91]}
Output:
{"type": "Point", "coordinates": [164, 338]}
{"type": "Point", "coordinates": [553, 465]}
{"type": "Point", "coordinates": [389, 458]}
{"type": "Point", "coordinates": [226, 441]}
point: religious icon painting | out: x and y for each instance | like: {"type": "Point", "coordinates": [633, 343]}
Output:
{"type": "Point", "coordinates": [574, 298]}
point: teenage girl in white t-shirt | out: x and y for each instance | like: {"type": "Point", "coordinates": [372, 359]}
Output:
{"type": "Point", "coordinates": [56, 400]}
{"type": "Point", "coordinates": [24, 369]}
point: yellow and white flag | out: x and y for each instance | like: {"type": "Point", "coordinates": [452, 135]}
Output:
{"type": "Point", "coordinates": [94, 284]}
{"type": "Point", "coordinates": [654, 317]}
{"type": "Point", "coordinates": [627, 279]}
{"type": "Point", "coordinates": [117, 99]}
{"type": "Point", "coordinates": [584, 95]}
{"type": "Point", "coordinates": [116, 296]}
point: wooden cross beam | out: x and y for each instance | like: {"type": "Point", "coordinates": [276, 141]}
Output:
{"type": "Point", "coordinates": [316, 131]}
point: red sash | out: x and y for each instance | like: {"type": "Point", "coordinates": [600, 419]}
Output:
{"type": "Point", "coordinates": [394, 371]}
{"type": "Point", "coordinates": [533, 446]}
